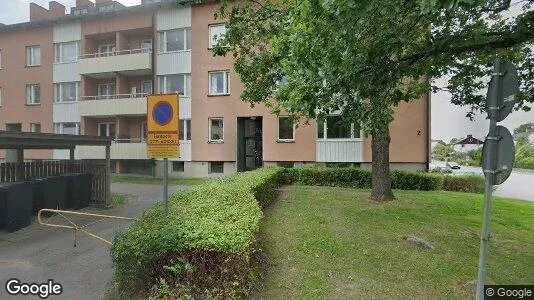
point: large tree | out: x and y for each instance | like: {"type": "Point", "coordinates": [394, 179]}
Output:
{"type": "Point", "coordinates": [363, 58]}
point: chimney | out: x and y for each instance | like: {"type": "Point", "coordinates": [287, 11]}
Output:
{"type": "Point", "coordinates": [56, 9]}
{"type": "Point", "coordinates": [38, 13]}
{"type": "Point", "coordinates": [84, 3]}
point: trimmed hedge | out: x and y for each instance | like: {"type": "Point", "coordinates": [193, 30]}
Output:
{"type": "Point", "coordinates": [464, 183]}
{"type": "Point", "coordinates": [362, 178]}
{"type": "Point", "coordinates": [214, 221]}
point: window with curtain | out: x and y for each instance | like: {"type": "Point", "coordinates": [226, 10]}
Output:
{"type": "Point", "coordinates": [219, 83]}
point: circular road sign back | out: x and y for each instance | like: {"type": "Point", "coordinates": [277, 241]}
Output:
{"type": "Point", "coordinates": [162, 113]}
{"type": "Point", "coordinates": [508, 90]}
{"type": "Point", "coordinates": [503, 158]}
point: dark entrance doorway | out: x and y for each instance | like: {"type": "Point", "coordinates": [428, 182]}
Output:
{"type": "Point", "coordinates": [249, 143]}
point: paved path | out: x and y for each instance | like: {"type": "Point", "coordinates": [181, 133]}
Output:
{"type": "Point", "coordinates": [520, 184]}
{"type": "Point", "coordinates": [37, 253]}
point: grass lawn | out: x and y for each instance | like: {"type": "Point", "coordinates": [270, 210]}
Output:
{"type": "Point", "coordinates": [155, 180]}
{"type": "Point", "coordinates": [333, 243]}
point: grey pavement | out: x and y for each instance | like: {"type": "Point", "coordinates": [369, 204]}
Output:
{"type": "Point", "coordinates": [38, 253]}
{"type": "Point", "coordinates": [520, 184]}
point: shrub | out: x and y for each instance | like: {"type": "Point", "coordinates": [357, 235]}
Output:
{"type": "Point", "coordinates": [209, 228]}
{"type": "Point", "coordinates": [416, 181]}
{"type": "Point", "coordinates": [464, 183]}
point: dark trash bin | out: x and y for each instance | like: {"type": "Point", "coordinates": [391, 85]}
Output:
{"type": "Point", "coordinates": [15, 205]}
{"type": "Point", "coordinates": [79, 189]}
{"type": "Point", "coordinates": [49, 192]}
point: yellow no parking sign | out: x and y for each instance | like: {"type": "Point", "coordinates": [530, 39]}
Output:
{"type": "Point", "coordinates": [162, 126]}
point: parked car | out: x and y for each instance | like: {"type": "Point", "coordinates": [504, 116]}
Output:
{"type": "Point", "coordinates": [453, 165]}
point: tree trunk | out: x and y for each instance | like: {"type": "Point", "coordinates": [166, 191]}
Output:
{"type": "Point", "coordinates": [381, 189]}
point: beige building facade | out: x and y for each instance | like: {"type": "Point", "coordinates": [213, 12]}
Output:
{"type": "Point", "coordinates": [98, 63]}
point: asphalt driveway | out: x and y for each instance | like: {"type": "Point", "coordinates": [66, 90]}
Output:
{"type": "Point", "coordinates": [38, 253]}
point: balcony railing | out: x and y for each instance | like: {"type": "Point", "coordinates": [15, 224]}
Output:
{"type": "Point", "coordinates": [115, 53]}
{"type": "Point", "coordinates": [116, 96]}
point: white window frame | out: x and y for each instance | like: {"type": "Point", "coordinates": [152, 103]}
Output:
{"type": "Point", "coordinates": [107, 129]}
{"type": "Point", "coordinates": [58, 92]}
{"type": "Point", "coordinates": [212, 42]}
{"type": "Point", "coordinates": [146, 41]}
{"type": "Point", "coordinates": [325, 133]}
{"type": "Point", "coordinates": [58, 127]}
{"type": "Point", "coordinates": [58, 52]}
{"type": "Point", "coordinates": [144, 131]}
{"type": "Point", "coordinates": [278, 130]}
{"type": "Point", "coordinates": [186, 129]}
{"type": "Point", "coordinates": [33, 127]}
{"type": "Point", "coordinates": [162, 44]}
{"type": "Point", "coordinates": [30, 56]}
{"type": "Point", "coordinates": [226, 83]}
{"type": "Point", "coordinates": [30, 94]}
{"type": "Point", "coordinates": [221, 140]}
{"type": "Point", "coordinates": [187, 88]}
{"type": "Point", "coordinates": [107, 88]}
{"type": "Point", "coordinates": [110, 49]}
{"type": "Point", "coordinates": [210, 164]}
{"type": "Point", "coordinates": [151, 87]}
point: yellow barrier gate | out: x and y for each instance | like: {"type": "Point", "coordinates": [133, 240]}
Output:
{"type": "Point", "coordinates": [74, 226]}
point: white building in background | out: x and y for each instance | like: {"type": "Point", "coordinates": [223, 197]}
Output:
{"type": "Point", "coordinates": [467, 144]}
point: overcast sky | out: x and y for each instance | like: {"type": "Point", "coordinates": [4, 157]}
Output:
{"type": "Point", "coordinates": [448, 120]}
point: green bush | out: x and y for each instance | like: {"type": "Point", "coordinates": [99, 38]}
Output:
{"type": "Point", "coordinates": [416, 181]}
{"type": "Point", "coordinates": [362, 178]}
{"type": "Point", "coordinates": [464, 183]}
{"type": "Point", "coordinates": [213, 222]}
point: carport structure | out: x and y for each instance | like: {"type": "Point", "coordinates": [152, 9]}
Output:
{"type": "Point", "coordinates": [18, 170]}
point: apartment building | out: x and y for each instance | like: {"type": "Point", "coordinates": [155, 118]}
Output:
{"type": "Point", "coordinates": [89, 72]}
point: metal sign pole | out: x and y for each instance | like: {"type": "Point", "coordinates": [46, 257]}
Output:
{"type": "Point", "coordinates": [489, 172]}
{"type": "Point", "coordinates": [166, 184]}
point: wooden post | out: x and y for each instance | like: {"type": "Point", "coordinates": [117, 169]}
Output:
{"type": "Point", "coordinates": [20, 165]}
{"type": "Point", "coordinates": [108, 175]}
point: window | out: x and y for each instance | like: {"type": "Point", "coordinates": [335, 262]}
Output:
{"type": "Point", "coordinates": [286, 129]}
{"type": "Point", "coordinates": [66, 91]}
{"type": "Point", "coordinates": [217, 32]}
{"type": "Point", "coordinates": [144, 131]}
{"type": "Point", "coordinates": [105, 8]}
{"type": "Point", "coordinates": [177, 166]}
{"type": "Point", "coordinates": [14, 127]}
{"type": "Point", "coordinates": [33, 94]}
{"type": "Point", "coordinates": [336, 128]}
{"type": "Point", "coordinates": [219, 83]}
{"type": "Point", "coordinates": [146, 45]}
{"type": "Point", "coordinates": [106, 49]}
{"type": "Point", "coordinates": [179, 83]}
{"type": "Point", "coordinates": [35, 127]}
{"type": "Point", "coordinates": [67, 128]}
{"type": "Point", "coordinates": [66, 52]}
{"type": "Point", "coordinates": [106, 129]}
{"type": "Point", "coordinates": [216, 130]}
{"type": "Point", "coordinates": [146, 87]}
{"type": "Point", "coordinates": [216, 167]}
{"type": "Point", "coordinates": [184, 133]}
{"type": "Point", "coordinates": [175, 40]}
{"type": "Point", "coordinates": [106, 89]}
{"type": "Point", "coordinates": [33, 56]}
{"type": "Point", "coordinates": [81, 11]}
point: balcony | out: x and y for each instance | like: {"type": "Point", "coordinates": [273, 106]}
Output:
{"type": "Point", "coordinates": [135, 62]}
{"type": "Point", "coordinates": [113, 105]}
{"type": "Point", "coordinates": [339, 150]}
{"type": "Point", "coordinates": [127, 149]}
